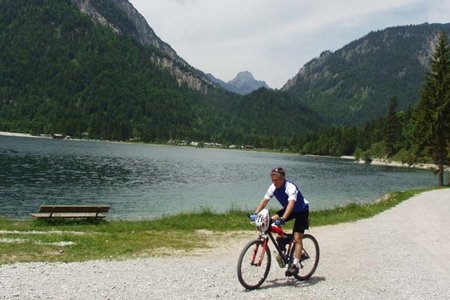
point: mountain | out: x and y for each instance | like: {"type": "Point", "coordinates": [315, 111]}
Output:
{"type": "Point", "coordinates": [354, 84]}
{"type": "Point", "coordinates": [244, 83]}
{"type": "Point", "coordinates": [95, 68]}
{"type": "Point", "coordinates": [62, 71]}
{"type": "Point", "coordinates": [124, 19]}
{"type": "Point", "coordinates": [121, 17]}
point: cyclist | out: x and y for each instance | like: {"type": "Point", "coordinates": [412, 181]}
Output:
{"type": "Point", "coordinates": [295, 206]}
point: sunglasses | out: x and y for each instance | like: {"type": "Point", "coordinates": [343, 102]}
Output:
{"type": "Point", "coordinates": [278, 171]}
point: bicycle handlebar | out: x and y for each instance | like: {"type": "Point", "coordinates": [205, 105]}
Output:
{"type": "Point", "coordinates": [274, 227]}
{"type": "Point", "coordinates": [252, 217]}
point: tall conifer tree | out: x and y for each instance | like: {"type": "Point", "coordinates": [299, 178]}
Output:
{"type": "Point", "coordinates": [432, 114]}
{"type": "Point", "coordinates": [392, 127]}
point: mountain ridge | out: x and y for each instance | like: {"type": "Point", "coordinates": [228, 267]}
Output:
{"type": "Point", "coordinates": [362, 77]}
{"type": "Point", "coordinates": [121, 17]}
{"type": "Point", "coordinates": [129, 22]}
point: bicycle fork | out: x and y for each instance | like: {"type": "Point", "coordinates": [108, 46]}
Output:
{"type": "Point", "coordinates": [261, 256]}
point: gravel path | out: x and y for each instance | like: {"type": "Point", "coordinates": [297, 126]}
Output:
{"type": "Point", "coordinates": [403, 253]}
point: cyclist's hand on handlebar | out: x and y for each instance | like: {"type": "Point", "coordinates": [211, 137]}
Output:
{"type": "Point", "coordinates": [280, 221]}
{"type": "Point", "coordinates": [253, 217]}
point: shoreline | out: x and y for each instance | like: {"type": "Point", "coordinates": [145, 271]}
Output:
{"type": "Point", "coordinates": [374, 162]}
{"type": "Point", "coordinates": [386, 197]}
{"type": "Point", "coordinates": [398, 164]}
{"type": "Point", "coordinates": [17, 134]}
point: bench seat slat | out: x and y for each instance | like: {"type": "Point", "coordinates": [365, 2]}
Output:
{"type": "Point", "coordinates": [71, 211]}
{"type": "Point", "coordinates": [67, 215]}
{"type": "Point", "coordinates": [73, 208]}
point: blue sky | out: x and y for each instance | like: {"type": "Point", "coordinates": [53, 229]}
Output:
{"type": "Point", "coordinates": [273, 39]}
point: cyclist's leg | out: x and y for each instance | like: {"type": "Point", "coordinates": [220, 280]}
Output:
{"type": "Point", "coordinates": [300, 225]}
{"type": "Point", "coordinates": [298, 237]}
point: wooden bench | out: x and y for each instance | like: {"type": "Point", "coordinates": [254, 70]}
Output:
{"type": "Point", "coordinates": [71, 211]}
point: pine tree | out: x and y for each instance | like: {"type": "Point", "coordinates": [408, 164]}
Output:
{"type": "Point", "coordinates": [432, 114]}
{"type": "Point", "coordinates": [392, 127]}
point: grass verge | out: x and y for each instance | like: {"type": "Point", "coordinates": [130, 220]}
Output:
{"type": "Point", "coordinates": [69, 241]}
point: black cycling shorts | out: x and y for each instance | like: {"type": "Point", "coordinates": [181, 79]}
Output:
{"type": "Point", "coordinates": [301, 220]}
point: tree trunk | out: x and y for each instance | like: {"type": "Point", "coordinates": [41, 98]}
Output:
{"type": "Point", "coordinates": [441, 174]}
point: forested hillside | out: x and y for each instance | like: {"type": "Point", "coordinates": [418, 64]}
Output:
{"type": "Point", "coordinates": [62, 72]}
{"type": "Point", "coordinates": [354, 84]}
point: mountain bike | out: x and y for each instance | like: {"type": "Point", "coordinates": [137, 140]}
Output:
{"type": "Point", "coordinates": [255, 259]}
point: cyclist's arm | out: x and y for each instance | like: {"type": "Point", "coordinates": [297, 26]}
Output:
{"type": "Point", "coordinates": [292, 193]}
{"type": "Point", "coordinates": [261, 205]}
{"type": "Point", "coordinates": [265, 200]}
{"type": "Point", "coordinates": [289, 209]}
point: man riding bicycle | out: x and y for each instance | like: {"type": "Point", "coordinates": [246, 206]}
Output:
{"type": "Point", "coordinates": [295, 206]}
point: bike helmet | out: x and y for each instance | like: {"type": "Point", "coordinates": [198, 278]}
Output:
{"type": "Point", "coordinates": [262, 221]}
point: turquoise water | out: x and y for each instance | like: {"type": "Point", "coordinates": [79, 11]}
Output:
{"type": "Point", "coordinates": [148, 181]}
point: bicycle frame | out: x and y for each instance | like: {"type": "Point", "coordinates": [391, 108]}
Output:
{"type": "Point", "coordinates": [268, 235]}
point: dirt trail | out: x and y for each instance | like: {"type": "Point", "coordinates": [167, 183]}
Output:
{"type": "Point", "coordinates": [403, 253]}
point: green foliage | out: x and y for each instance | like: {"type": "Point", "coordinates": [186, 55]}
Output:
{"type": "Point", "coordinates": [338, 141]}
{"type": "Point", "coordinates": [275, 112]}
{"type": "Point", "coordinates": [392, 128]}
{"type": "Point", "coordinates": [406, 156]}
{"type": "Point", "coordinates": [432, 118]}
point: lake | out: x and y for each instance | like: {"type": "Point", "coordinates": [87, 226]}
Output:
{"type": "Point", "coordinates": [142, 181]}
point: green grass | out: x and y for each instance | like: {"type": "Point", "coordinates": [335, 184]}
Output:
{"type": "Point", "coordinates": [33, 240]}
{"type": "Point", "coordinates": [354, 212]}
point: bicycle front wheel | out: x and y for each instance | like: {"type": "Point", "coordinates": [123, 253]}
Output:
{"type": "Point", "coordinates": [309, 259]}
{"type": "Point", "coordinates": [253, 264]}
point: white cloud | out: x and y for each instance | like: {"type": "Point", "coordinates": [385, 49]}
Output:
{"type": "Point", "coordinates": [438, 12]}
{"type": "Point", "coordinates": [273, 39]}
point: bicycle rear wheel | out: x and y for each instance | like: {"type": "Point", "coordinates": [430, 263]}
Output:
{"type": "Point", "coordinates": [253, 264]}
{"type": "Point", "coordinates": [309, 259]}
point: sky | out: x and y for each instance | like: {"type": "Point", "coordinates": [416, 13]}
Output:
{"type": "Point", "coordinates": [273, 39]}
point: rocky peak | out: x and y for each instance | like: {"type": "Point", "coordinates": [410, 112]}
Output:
{"type": "Point", "coordinates": [242, 77]}
{"type": "Point", "coordinates": [133, 25]}
{"type": "Point", "coordinates": [244, 83]}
